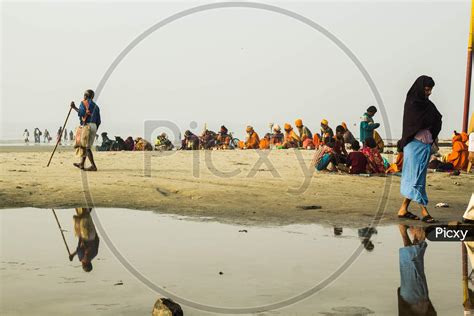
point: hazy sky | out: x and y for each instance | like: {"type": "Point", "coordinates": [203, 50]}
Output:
{"type": "Point", "coordinates": [228, 66]}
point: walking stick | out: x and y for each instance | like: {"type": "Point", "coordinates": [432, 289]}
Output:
{"type": "Point", "coordinates": [59, 138]}
{"type": "Point", "coordinates": [62, 233]}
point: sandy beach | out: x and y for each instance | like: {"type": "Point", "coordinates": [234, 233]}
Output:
{"type": "Point", "coordinates": [245, 187]}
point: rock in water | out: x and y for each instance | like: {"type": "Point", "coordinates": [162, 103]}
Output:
{"type": "Point", "coordinates": [166, 307]}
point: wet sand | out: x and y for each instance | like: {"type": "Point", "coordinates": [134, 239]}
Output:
{"type": "Point", "coordinates": [245, 187]}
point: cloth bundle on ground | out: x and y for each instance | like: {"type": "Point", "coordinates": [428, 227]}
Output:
{"type": "Point", "coordinates": [166, 307]}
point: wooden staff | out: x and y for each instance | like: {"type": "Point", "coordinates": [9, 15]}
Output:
{"type": "Point", "coordinates": [467, 89]}
{"type": "Point", "coordinates": [62, 233]}
{"type": "Point", "coordinates": [60, 137]}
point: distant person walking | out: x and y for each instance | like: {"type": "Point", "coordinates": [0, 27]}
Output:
{"type": "Point", "coordinates": [89, 118]}
{"type": "Point", "coordinates": [46, 136]}
{"type": "Point", "coordinates": [367, 124]}
{"type": "Point", "coordinates": [58, 135]}
{"type": "Point", "coordinates": [71, 135]}
{"type": "Point", "coordinates": [37, 135]}
{"type": "Point", "coordinates": [421, 126]}
{"type": "Point", "coordinates": [26, 136]}
{"type": "Point", "coordinates": [65, 135]}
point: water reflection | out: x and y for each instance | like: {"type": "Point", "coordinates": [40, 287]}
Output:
{"type": "Point", "coordinates": [365, 235]}
{"type": "Point", "coordinates": [413, 296]}
{"type": "Point", "coordinates": [88, 240]}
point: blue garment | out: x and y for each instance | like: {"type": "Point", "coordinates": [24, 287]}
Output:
{"type": "Point", "coordinates": [413, 285]}
{"type": "Point", "coordinates": [94, 117]}
{"type": "Point", "coordinates": [416, 156]}
{"type": "Point", "coordinates": [324, 162]}
{"type": "Point", "coordinates": [367, 127]}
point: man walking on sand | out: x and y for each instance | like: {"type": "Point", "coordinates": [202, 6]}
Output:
{"type": "Point", "coordinates": [89, 118]}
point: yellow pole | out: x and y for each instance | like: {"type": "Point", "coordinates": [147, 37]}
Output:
{"type": "Point", "coordinates": [467, 90]}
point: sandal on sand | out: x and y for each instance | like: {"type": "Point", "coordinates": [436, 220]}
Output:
{"type": "Point", "coordinates": [429, 220]}
{"type": "Point", "coordinates": [78, 165]}
{"type": "Point", "coordinates": [409, 215]}
{"type": "Point", "coordinates": [91, 168]}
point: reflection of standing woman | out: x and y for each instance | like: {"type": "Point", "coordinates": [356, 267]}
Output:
{"type": "Point", "coordinates": [421, 126]}
{"type": "Point", "coordinates": [413, 295]}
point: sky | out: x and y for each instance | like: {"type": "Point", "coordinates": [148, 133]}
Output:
{"type": "Point", "coordinates": [231, 66]}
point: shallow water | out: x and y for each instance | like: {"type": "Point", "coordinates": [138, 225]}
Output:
{"type": "Point", "coordinates": [210, 264]}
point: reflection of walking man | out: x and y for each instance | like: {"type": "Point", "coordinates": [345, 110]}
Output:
{"type": "Point", "coordinates": [88, 243]}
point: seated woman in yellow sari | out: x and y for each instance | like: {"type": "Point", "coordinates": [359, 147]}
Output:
{"type": "Point", "coordinates": [291, 139]}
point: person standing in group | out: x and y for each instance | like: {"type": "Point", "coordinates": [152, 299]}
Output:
{"type": "Point", "coordinates": [46, 136]}
{"type": "Point", "coordinates": [37, 134]}
{"type": "Point", "coordinates": [71, 135]}
{"type": "Point", "coordinates": [89, 118]}
{"type": "Point", "coordinates": [26, 136]}
{"type": "Point", "coordinates": [65, 135]}
{"type": "Point", "coordinates": [421, 125]}
{"type": "Point", "coordinates": [59, 134]}
{"type": "Point", "coordinates": [367, 124]}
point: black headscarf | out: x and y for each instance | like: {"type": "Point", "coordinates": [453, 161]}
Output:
{"type": "Point", "coordinates": [420, 113]}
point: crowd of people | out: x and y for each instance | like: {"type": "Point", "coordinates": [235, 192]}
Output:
{"type": "Point", "coordinates": [62, 136]}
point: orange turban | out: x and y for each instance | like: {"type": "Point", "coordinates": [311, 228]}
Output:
{"type": "Point", "coordinates": [324, 122]}
{"type": "Point", "coordinates": [299, 123]}
{"type": "Point", "coordinates": [288, 127]}
{"type": "Point", "coordinates": [344, 125]}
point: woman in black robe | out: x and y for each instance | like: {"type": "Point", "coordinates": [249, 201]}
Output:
{"type": "Point", "coordinates": [421, 126]}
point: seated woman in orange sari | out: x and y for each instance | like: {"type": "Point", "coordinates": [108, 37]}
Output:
{"type": "Point", "coordinates": [265, 142]}
{"type": "Point", "coordinates": [291, 139]}
{"type": "Point", "coordinates": [252, 141]}
{"type": "Point", "coordinates": [459, 156]}
{"type": "Point", "coordinates": [398, 164]}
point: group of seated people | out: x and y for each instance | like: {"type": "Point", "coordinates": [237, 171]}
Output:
{"type": "Point", "coordinates": [119, 144]}
{"type": "Point", "coordinates": [300, 137]}
{"type": "Point", "coordinates": [338, 151]}
{"type": "Point", "coordinates": [208, 140]}
{"type": "Point", "coordinates": [332, 155]}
